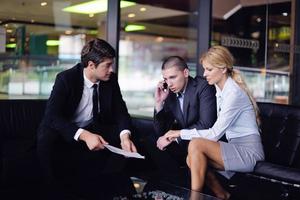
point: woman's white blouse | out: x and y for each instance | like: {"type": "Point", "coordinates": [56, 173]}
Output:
{"type": "Point", "coordinates": [236, 116]}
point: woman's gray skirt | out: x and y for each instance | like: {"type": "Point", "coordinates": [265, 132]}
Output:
{"type": "Point", "coordinates": [241, 154]}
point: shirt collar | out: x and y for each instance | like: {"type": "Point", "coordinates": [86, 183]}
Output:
{"type": "Point", "coordinates": [180, 94]}
{"type": "Point", "coordinates": [219, 92]}
{"type": "Point", "coordinates": [89, 83]}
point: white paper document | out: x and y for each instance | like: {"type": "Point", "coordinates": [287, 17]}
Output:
{"type": "Point", "coordinates": [123, 152]}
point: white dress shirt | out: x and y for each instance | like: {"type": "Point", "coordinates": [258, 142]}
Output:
{"type": "Point", "coordinates": [236, 116]}
{"type": "Point", "coordinates": [84, 112]}
{"type": "Point", "coordinates": [180, 97]}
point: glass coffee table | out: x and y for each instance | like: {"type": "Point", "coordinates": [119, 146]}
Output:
{"type": "Point", "coordinates": [161, 190]}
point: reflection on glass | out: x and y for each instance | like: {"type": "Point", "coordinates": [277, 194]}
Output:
{"type": "Point", "coordinates": [35, 46]}
{"type": "Point", "coordinates": [258, 35]}
{"type": "Point", "coordinates": [138, 184]}
{"type": "Point", "coordinates": [160, 190]}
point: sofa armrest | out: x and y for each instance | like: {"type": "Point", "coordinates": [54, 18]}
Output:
{"type": "Point", "coordinates": [277, 172]}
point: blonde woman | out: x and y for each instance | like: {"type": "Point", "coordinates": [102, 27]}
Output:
{"type": "Point", "coordinates": [237, 119]}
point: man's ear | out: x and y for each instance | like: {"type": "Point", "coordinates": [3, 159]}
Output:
{"type": "Point", "coordinates": [224, 70]}
{"type": "Point", "coordinates": [91, 65]}
{"type": "Point", "coordinates": [186, 72]}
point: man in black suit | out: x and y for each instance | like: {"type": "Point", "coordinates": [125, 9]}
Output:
{"type": "Point", "coordinates": [181, 102]}
{"type": "Point", "coordinates": [85, 111]}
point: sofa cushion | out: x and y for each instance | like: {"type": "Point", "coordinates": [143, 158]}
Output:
{"type": "Point", "coordinates": [20, 118]}
{"type": "Point", "coordinates": [19, 162]}
{"type": "Point", "coordinates": [19, 122]}
{"type": "Point", "coordinates": [277, 172]}
{"type": "Point", "coordinates": [289, 141]}
{"type": "Point", "coordinates": [280, 133]}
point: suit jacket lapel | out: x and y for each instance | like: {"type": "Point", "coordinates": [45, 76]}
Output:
{"type": "Point", "coordinates": [78, 85]}
{"type": "Point", "coordinates": [189, 92]}
{"type": "Point", "coordinates": [104, 91]}
{"type": "Point", "coordinates": [175, 106]}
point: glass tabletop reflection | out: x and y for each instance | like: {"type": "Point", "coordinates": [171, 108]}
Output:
{"type": "Point", "coordinates": [160, 190]}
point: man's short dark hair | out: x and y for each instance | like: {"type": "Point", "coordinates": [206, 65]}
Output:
{"type": "Point", "coordinates": [174, 61]}
{"type": "Point", "coordinates": [96, 50]}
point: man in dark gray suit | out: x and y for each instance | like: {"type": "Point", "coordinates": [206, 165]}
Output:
{"type": "Point", "coordinates": [181, 102]}
{"type": "Point", "coordinates": [85, 111]}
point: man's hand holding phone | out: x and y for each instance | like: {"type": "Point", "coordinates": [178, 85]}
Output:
{"type": "Point", "coordinates": [165, 86]}
{"type": "Point", "coordinates": [161, 93]}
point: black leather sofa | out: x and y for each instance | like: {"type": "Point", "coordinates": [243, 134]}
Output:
{"type": "Point", "coordinates": [19, 168]}
{"type": "Point", "coordinates": [280, 131]}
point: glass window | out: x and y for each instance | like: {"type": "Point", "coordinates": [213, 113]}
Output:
{"type": "Point", "coordinates": [39, 39]}
{"type": "Point", "coordinates": [150, 32]}
{"type": "Point", "coordinates": [258, 35]}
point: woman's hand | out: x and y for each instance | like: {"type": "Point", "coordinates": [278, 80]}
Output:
{"type": "Point", "coordinates": [162, 143]}
{"type": "Point", "coordinates": [172, 135]}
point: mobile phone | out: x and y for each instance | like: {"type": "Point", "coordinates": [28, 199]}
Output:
{"type": "Point", "coordinates": [165, 86]}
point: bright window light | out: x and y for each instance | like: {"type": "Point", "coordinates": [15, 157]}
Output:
{"type": "Point", "coordinates": [93, 7]}
{"type": "Point", "coordinates": [134, 27]}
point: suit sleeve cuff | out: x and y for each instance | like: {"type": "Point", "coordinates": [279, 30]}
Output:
{"type": "Point", "coordinates": [77, 134]}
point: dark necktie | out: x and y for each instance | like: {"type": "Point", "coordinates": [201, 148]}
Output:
{"type": "Point", "coordinates": [95, 101]}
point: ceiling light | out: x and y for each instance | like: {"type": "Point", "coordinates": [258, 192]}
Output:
{"type": "Point", "coordinates": [11, 45]}
{"type": "Point", "coordinates": [159, 39]}
{"type": "Point", "coordinates": [92, 32]}
{"type": "Point", "coordinates": [134, 27]}
{"type": "Point", "coordinates": [258, 19]}
{"type": "Point", "coordinates": [43, 3]}
{"type": "Point", "coordinates": [285, 14]}
{"type": "Point", "coordinates": [131, 15]}
{"type": "Point", "coordinates": [52, 43]}
{"type": "Point", "coordinates": [9, 30]}
{"type": "Point", "coordinates": [232, 11]}
{"type": "Point", "coordinates": [68, 32]}
{"type": "Point", "coordinates": [12, 39]}
{"type": "Point", "coordinates": [92, 7]}
{"type": "Point", "coordinates": [143, 9]}
{"type": "Point", "coordinates": [255, 34]}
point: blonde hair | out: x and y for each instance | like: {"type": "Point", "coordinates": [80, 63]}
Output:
{"type": "Point", "coordinates": [220, 57]}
